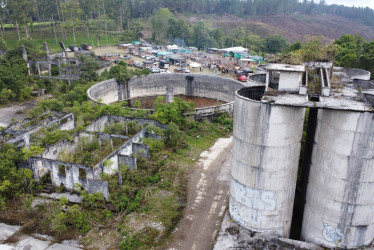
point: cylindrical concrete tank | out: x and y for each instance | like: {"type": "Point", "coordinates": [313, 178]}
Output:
{"type": "Point", "coordinates": [339, 210]}
{"type": "Point", "coordinates": [265, 157]}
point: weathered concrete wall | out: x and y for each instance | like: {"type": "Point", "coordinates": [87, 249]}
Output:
{"type": "Point", "coordinates": [256, 79]}
{"type": "Point", "coordinates": [339, 210]}
{"type": "Point", "coordinates": [155, 84]}
{"type": "Point", "coordinates": [261, 69]}
{"type": "Point", "coordinates": [350, 74]}
{"type": "Point", "coordinates": [265, 158]}
{"type": "Point", "coordinates": [69, 175]}
{"type": "Point", "coordinates": [106, 91]}
{"type": "Point", "coordinates": [290, 81]}
{"type": "Point", "coordinates": [128, 160]}
{"type": "Point", "coordinates": [99, 124]}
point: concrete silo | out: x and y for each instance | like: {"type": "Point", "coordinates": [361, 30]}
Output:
{"type": "Point", "coordinates": [266, 149]}
{"type": "Point", "coordinates": [339, 210]}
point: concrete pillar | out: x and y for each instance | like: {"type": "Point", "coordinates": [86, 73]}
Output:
{"type": "Point", "coordinates": [339, 210]}
{"type": "Point", "coordinates": [27, 140]}
{"type": "Point", "coordinates": [45, 45]}
{"type": "Point", "coordinates": [38, 68]}
{"type": "Point", "coordinates": [69, 179]}
{"type": "Point", "coordinates": [265, 158]}
{"type": "Point", "coordinates": [169, 94]}
{"type": "Point", "coordinates": [24, 56]}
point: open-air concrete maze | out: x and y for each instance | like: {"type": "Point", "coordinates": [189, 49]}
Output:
{"type": "Point", "coordinates": [337, 173]}
{"type": "Point", "coordinates": [68, 174]}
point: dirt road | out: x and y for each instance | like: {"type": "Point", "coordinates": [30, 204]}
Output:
{"type": "Point", "coordinates": [207, 199]}
{"type": "Point", "coordinates": [14, 113]}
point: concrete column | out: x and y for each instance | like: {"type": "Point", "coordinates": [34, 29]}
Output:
{"type": "Point", "coordinates": [24, 56]}
{"type": "Point", "coordinates": [339, 210]}
{"type": "Point", "coordinates": [38, 67]}
{"type": "Point", "coordinates": [69, 179]}
{"type": "Point", "coordinates": [27, 140]}
{"type": "Point", "coordinates": [169, 94]}
{"type": "Point", "coordinates": [265, 157]}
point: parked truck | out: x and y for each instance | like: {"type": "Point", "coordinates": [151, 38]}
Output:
{"type": "Point", "coordinates": [164, 64]}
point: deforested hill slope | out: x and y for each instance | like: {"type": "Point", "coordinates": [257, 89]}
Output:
{"type": "Point", "coordinates": [294, 27]}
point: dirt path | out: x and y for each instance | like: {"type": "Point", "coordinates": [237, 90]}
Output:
{"type": "Point", "coordinates": [14, 113]}
{"type": "Point", "coordinates": [207, 199]}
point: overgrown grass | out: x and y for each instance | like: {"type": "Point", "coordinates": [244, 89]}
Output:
{"type": "Point", "coordinates": [90, 151]}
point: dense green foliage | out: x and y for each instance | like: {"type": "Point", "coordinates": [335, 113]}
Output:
{"type": "Point", "coordinates": [15, 182]}
{"type": "Point", "coordinates": [15, 84]}
{"type": "Point", "coordinates": [354, 51]}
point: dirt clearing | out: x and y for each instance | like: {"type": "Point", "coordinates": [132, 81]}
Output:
{"type": "Point", "coordinates": [208, 194]}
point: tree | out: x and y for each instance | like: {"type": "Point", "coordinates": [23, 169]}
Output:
{"type": "Point", "coordinates": [201, 35]}
{"type": "Point", "coordinates": [160, 24]}
{"type": "Point", "coordinates": [119, 72]}
{"type": "Point", "coordinates": [178, 31]}
{"type": "Point", "coordinates": [72, 12]}
{"type": "Point", "coordinates": [20, 12]}
{"type": "Point", "coordinates": [274, 44]}
{"type": "Point", "coordinates": [89, 67]}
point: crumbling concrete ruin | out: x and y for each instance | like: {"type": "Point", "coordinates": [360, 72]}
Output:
{"type": "Point", "coordinates": [337, 172]}
{"type": "Point", "coordinates": [70, 174]}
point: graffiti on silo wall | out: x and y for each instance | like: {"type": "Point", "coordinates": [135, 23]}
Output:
{"type": "Point", "coordinates": [331, 234]}
{"type": "Point", "coordinates": [253, 198]}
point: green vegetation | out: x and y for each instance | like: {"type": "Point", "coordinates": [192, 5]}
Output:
{"type": "Point", "coordinates": [14, 182]}
{"type": "Point", "coordinates": [49, 136]}
{"type": "Point", "coordinates": [90, 151]}
{"type": "Point", "coordinates": [129, 128]}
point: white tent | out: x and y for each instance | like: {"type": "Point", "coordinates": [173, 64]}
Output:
{"type": "Point", "coordinates": [239, 49]}
{"type": "Point", "coordinates": [195, 65]}
{"type": "Point", "coordinates": [170, 47]}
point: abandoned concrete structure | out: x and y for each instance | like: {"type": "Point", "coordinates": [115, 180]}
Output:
{"type": "Point", "coordinates": [19, 133]}
{"type": "Point", "coordinates": [70, 174]}
{"type": "Point", "coordinates": [338, 162]}
{"type": "Point", "coordinates": [208, 86]}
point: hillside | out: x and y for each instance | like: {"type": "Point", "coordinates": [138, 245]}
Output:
{"type": "Point", "coordinates": [294, 27]}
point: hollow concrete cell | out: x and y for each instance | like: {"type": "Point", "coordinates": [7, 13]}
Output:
{"type": "Point", "coordinates": [339, 210]}
{"type": "Point", "coordinates": [266, 149]}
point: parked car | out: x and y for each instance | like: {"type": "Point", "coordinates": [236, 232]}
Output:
{"type": "Point", "coordinates": [185, 70]}
{"type": "Point", "coordinates": [242, 78]}
{"type": "Point", "coordinates": [137, 64]}
{"type": "Point", "coordinates": [163, 71]}
{"type": "Point", "coordinates": [155, 70]}
{"type": "Point", "coordinates": [178, 70]}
